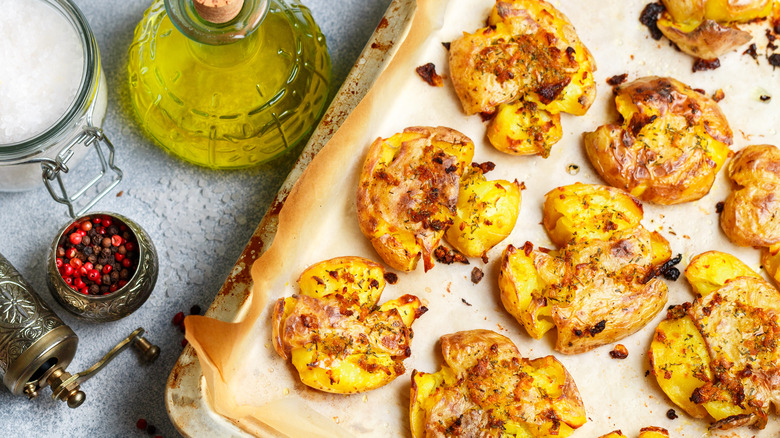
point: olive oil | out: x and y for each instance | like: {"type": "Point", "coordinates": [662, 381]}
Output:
{"type": "Point", "coordinates": [234, 102]}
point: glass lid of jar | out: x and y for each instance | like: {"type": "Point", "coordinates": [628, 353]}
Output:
{"type": "Point", "coordinates": [23, 148]}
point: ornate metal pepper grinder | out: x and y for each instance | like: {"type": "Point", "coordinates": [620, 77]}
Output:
{"type": "Point", "coordinates": [36, 346]}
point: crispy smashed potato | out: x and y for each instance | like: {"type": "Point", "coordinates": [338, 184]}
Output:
{"type": "Point", "coordinates": [719, 357]}
{"type": "Point", "coordinates": [645, 432]}
{"type": "Point", "coordinates": [339, 340]}
{"type": "Point", "coordinates": [751, 213]}
{"type": "Point", "coordinates": [708, 40]}
{"type": "Point", "coordinates": [601, 285]}
{"type": "Point", "coordinates": [487, 389]}
{"type": "Point", "coordinates": [670, 145]}
{"type": "Point", "coordinates": [487, 212]}
{"type": "Point", "coordinates": [529, 65]}
{"type": "Point", "coordinates": [522, 128]}
{"type": "Point", "coordinates": [704, 28]}
{"type": "Point", "coordinates": [408, 192]}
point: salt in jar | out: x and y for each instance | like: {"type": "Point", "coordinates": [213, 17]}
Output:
{"type": "Point", "coordinates": [53, 100]}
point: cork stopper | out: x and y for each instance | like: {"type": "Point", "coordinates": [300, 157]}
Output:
{"type": "Point", "coordinates": [218, 11]}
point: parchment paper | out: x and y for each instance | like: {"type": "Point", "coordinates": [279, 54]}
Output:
{"type": "Point", "coordinates": [248, 383]}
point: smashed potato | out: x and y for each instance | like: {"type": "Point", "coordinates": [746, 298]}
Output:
{"type": "Point", "coordinates": [645, 432]}
{"type": "Point", "coordinates": [601, 285]}
{"type": "Point", "coordinates": [704, 28]}
{"type": "Point", "coordinates": [487, 212]}
{"type": "Point", "coordinates": [670, 145]}
{"type": "Point", "coordinates": [408, 192]}
{"type": "Point", "coordinates": [487, 389]}
{"type": "Point", "coordinates": [529, 65]}
{"type": "Point", "coordinates": [339, 340]}
{"type": "Point", "coordinates": [522, 128]}
{"type": "Point", "coordinates": [751, 213]}
{"type": "Point", "coordinates": [719, 357]}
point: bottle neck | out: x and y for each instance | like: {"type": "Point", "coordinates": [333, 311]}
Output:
{"type": "Point", "coordinates": [186, 19]}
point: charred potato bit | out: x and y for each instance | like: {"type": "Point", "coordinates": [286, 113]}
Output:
{"type": "Point", "coordinates": [719, 357]}
{"type": "Point", "coordinates": [751, 213]}
{"type": "Point", "coordinates": [645, 432]}
{"type": "Point", "coordinates": [670, 145]}
{"type": "Point", "coordinates": [486, 213]}
{"type": "Point", "coordinates": [408, 192]}
{"type": "Point", "coordinates": [528, 65]}
{"type": "Point", "coordinates": [704, 28]}
{"type": "Point", "coordinates": [487, 389]}
{"type": "Point", "coordinates": [339, 340]}
{"type": "Point", "coordinates": [601, 285]}
{"type": "Point", "coordinates": [427, 73]}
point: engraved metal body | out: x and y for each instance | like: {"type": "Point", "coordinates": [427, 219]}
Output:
{"type": "Point", "coordinates": [33, 339]}
{"type": "Point", "coordinates": [36, 346]}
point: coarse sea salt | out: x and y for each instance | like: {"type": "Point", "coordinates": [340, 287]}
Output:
{"type": "Point", "coordinates": [41, 68]}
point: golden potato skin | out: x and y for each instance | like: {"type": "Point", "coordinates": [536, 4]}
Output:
{"type": "Point", "coordinates": [487, 213]}
{"type": "Point", "coordinates": [501, 63]}
{"type": "Point", "coordinates": [670, 145]}
{"type": "Point", "coordinates": [576, 97]}
{"type": "Point", "coordinates": [334, 333]}
{"type": "Point", "coordinates": [711, 270]}
{"type": "Point", "coordinates": [486, 389]}
{"type": "Point", "coordinates": [751, 212]}
{"type": "Point", "coordinates": [719, 357]}
{"type": "Point", "coordinates": [703, 28]}
{"type": "Point", "coordinates": [522, 128]}
{"type": "Point", "coordinates": [708, 40]}
{"type": "Point", "coordinates": [600, 286]}
{"type": "Point", "coordinates": [408, 192]}
{"type": "Point", "coordinates": [528, 66]}
{"type": "Point", "coordinates": [588, 211]}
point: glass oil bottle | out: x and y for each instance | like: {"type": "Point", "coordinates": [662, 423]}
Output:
{"type": "Point", "coordinates": [228, 83]}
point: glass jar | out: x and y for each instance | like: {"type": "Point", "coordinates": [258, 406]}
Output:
{"type": "Point", "coordinates": [233, 94]}
{"type": "Point", "coordinates": [53, 152]}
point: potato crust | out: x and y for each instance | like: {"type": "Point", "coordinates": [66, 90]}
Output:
{"type": "Point", "coordinates": [719, 357]}
{"type": "Point", "coordinates": [751, 212]}
{"type": "Point", "coordinates": [670, 145]}
{"type": "Point", "coordinates": [601, 285]}
{"type": "Point", "coordinates": [486, 213]}
{"type": "Point", "coordinates": [408, 192]}
{"type": "Point", "coordinates": [528, 65]}
{"type": "Point", "coordinates": [486, 388]}
{"type": "Point", "coordinates": [705, 28]}
{"type": "Point", "coordinates": [337, 337]}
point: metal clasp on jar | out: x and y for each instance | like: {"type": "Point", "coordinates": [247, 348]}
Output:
{"type": "Point", "coordinates": [54, 168]}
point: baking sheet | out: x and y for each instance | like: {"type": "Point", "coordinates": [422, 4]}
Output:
{"type": "Point", "coordinates": [260, 393]}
